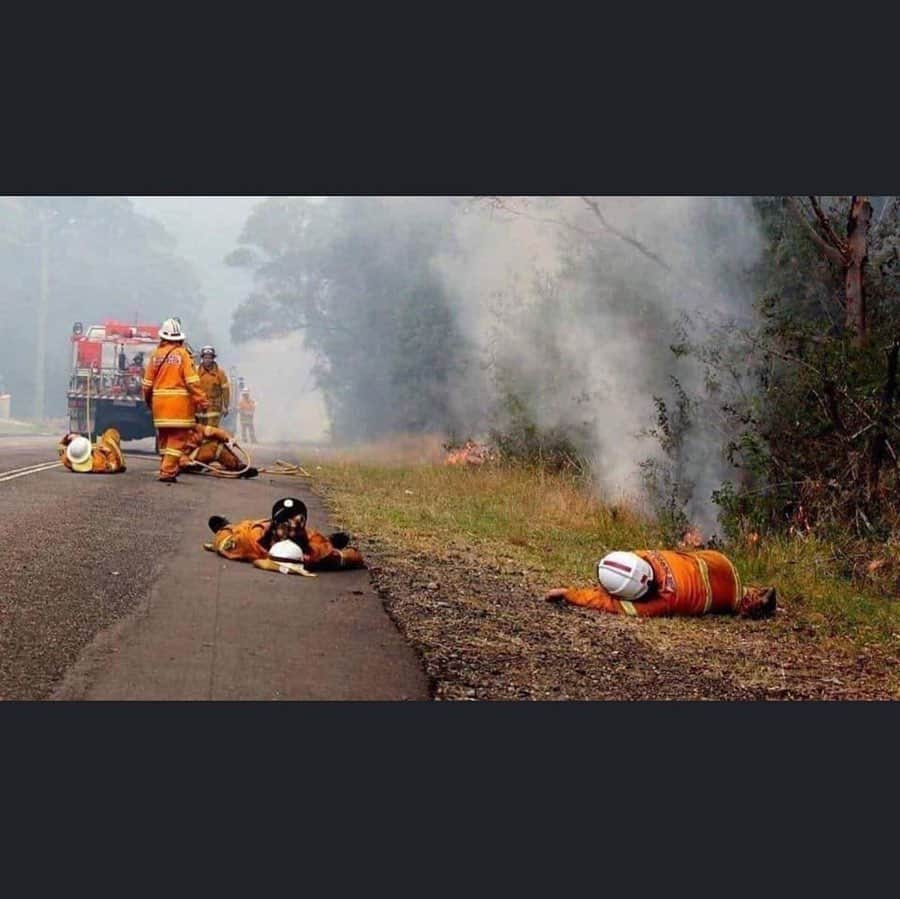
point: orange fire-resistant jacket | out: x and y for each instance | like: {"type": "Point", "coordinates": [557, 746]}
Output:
{"type": "Point", "coordinates": [215, 386]}
{"type": "Point", "coordinates": [687, 583]}
{"type": "Point", "coordinates": [246, 407]}
{"type": "Point", "coordinates": [244, 541]}
{"type": "Point", "coordinates": [171, 387]}
{"type": "Point", "coordinates": [209, 445]}
{"type": "Point", "coordinates": [247, 541]}
{"type": "Point", "coordinates": [106, 456]}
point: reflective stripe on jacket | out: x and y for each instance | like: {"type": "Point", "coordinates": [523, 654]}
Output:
{"type": "Point", "coordinates": [208, 444]}
{"type": "Point", "coordinates": [172, 387]}
{"type": "Point", "coordinates": [242, 542]}
{"type": "Point", "coordinates": [214, 383]}
{"type": "Point", "coordinates": [686, 583]}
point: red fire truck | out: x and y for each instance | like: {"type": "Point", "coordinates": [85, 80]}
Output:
{"type": "Point", "coordinates": [108, 362]}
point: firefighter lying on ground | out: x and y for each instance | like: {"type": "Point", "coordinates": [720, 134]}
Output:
{"type": "Point", "coordinates": [252, 540]}
{"type": "Point", "coordinates": [171, 389]}
{"type": "Point", "coordinates": [77, 454]}
{"type": "Point", "coordinates": [209, 445]}
{"type": "Point", "coordinates": [647, 583]}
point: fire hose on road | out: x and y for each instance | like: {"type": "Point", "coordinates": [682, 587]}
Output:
{"type": "Point", "coordinates": [239, 451]}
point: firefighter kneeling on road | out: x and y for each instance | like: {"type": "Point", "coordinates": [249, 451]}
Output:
{"type": "Point", "coordinates": [648, 583]}
{"type": "Point", "coordinates": [209, 446]}
{"type": "Point", "coordinates": [77, 454]}
{"type": "Point", "coordinates": [171, 389]}
{"type": "Point", "coordinates": [214, 384]}
{"type": "Point", "coordinates": [255, 541]}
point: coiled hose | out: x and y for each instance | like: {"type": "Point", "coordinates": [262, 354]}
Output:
{"type": "Point", "coordinates": [237, 449]}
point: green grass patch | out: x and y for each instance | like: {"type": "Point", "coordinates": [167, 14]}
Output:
{"type": "Point", "coordinates": [552, 525]}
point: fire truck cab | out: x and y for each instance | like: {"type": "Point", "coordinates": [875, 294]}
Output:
{"type": "Point", "coordinates": [108, 362]}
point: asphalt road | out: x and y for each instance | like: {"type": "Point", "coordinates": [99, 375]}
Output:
{"type": "Point", "coordinates": [107, 594]}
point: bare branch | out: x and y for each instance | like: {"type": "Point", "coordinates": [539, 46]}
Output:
{"type": "Point", "coordinates": [771, 351]}
{"type": "Point", "coordinates": [595, 208]}
{"type": "Point", "coordinates": [498, 204]}
{"type": "Point", "coordinates": [884, 209]}
{"type": "Point", "coordinates": [831, 252]}
{"type": "Point", "coordinates": [837, 243]}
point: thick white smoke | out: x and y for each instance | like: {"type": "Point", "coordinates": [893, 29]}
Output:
{"type": "Point", "coordinates": [289, 406]}
{"type": "Point", "coordinates": [691, 256]}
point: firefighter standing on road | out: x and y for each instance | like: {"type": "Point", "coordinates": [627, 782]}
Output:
{"type": "Point", "coordinates": [246, 408]}
{"type": "Point", "coordinates": [171, 388]}
{"type": "Point", "coordinates": [214, 383]}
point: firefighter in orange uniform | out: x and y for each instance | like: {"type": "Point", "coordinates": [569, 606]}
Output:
{"type": "Point", "coordinates": [213, 383]}
{"type": "Point", "coordinates": [171, 389]}
{"type": "Point", "coordinates": [77, 454]}
{"type": "Point", "coordinates": [246, 409]}
{"type": "Point", "coordinates": [209, 445]}
{"type": "Point", "coordinates": [648, 583]}
{"type": "Point", "coordinates": [251, 540]}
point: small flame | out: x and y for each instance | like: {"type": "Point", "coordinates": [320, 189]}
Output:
{"type": "Point", "coordinates": [471, 454]}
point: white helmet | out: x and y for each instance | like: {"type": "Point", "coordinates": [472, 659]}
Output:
{"type": "Point", "coordinates": [624, 575]}
{"type": "Point", "coordinates": [78, 452]}
{"type": "Point", "coordinates": [286, 551]}
{"type": "Point", "coordinates": [210, 350]}
{"type": "Point", "coordinates": [171, 330]}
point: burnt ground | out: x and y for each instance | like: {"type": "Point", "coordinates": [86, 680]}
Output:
{"type": "Point", "coordinates": [484, 633]}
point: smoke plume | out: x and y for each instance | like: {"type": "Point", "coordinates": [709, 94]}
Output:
{"type": "Point", "coordinates": [552, 286]}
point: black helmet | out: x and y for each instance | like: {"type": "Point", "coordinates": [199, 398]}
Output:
{"type": "Point", "coordinates": [287, 508]}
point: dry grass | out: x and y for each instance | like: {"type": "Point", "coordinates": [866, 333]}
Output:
{"type": "Point", "coordinates": [397, 451]}
{"type": "Point", "coordinates": [549, 528]}
{"type": "Point", "coordinates": [552, 525]}
{"type": "Point", "coordinates": [544, 522]}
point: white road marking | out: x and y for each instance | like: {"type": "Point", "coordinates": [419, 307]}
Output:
{"type": "Point", "coordinates": [28, 469]}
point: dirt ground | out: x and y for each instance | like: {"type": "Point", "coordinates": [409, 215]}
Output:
{"type": "Point", "coordinates": [483, 632]}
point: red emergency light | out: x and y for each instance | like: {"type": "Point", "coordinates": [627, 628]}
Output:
{"type": "Point", "coordinates": [125, 330]}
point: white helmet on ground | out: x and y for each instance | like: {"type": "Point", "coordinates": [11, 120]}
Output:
{"type": "Point", "coordinates": [286, 551]}
{"type": "Point", "coordinates": [171, 330]}
{"type": "Point", "coordinates": [78, 452]}
{"type": "Point", "coordinates": [625, 575]}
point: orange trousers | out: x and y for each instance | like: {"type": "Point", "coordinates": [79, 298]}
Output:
{"type": "Point", "coordinates": [172, 442]}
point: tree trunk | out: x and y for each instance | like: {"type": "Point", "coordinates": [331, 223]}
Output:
{"type": "Point", "coordinates": [857, 256]}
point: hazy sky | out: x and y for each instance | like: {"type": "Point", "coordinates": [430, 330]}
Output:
{"type": "Point", "coordinates": [207, 229]}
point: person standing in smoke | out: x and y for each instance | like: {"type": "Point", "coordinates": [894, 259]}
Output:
{"type": "Point", "coordinates": [246, 411]}
{"type": "Point", "coordinates": [214, 383]}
